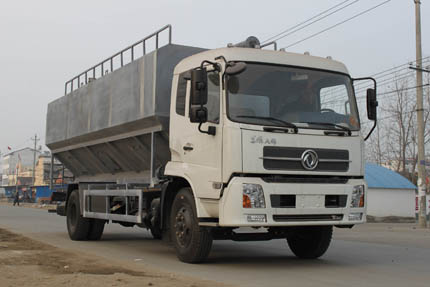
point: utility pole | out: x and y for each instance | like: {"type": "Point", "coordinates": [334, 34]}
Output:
{"type": "Point", "coordinates": [35, 139]}
{"type": "Point", "coordinates": [422, 216]}
{"type": "Point", "coordinates": [1, 166]}
{"type": "Point", "coordinates": [16, 180]}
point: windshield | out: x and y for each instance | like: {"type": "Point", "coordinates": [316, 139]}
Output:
{"type": "Point", "coordinates": [307, 98]}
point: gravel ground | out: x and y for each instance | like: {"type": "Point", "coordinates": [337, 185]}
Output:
{"type": "Point", "coordinates": [26, 262]}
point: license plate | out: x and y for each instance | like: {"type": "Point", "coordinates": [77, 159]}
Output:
{"type": "Point", "coordinates": [309, 201]}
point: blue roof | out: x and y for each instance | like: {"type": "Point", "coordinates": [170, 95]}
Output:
{"type": "Point", "coordinates": [380, 177]}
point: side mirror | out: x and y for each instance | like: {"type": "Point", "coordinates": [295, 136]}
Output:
{"type": "Point", "coordinates": [235, 68]}
{"type": "Point", "coordinates": [372, 104]}
{"type": "Point", "coordinates": [198, 114]}
{"type": "Point", "coordinates": [199, 87]}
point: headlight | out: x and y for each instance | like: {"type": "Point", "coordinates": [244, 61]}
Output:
{"type": "Point", "coordinates": [357, 199]}
{"type": "Point", "coordinates": [253, 196]}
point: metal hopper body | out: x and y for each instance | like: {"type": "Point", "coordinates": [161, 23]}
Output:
{"type": "Point", "coordinates": [116, 128]}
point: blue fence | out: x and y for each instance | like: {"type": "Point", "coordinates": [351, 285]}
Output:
{"type": "Point", "coordinates": [33, 193]}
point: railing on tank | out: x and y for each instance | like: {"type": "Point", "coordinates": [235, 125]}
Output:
{"type": "Point", "coordinates": [91, 74]}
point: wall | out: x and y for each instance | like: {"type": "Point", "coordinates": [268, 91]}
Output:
{"type": "Point", "coordinates": [391, 202]}
{"type": "Point", "coordinates": [43, 166]}
{"type": "Point", "coordinates": [24, 161]}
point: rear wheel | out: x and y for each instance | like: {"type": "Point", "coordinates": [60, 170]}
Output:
{"type": "Point", "coordinates": [310, 242]}
{"type": "Point", "coordinates": [77, 226]}
{"type": "Point", "coordinates": [156, 232]}
{"type": "Point", "coordinates": [154, 223]}
{"type": "Point", "coordinates": [95, 231]}
{"type": "Point", "coordinates": [191, 241]}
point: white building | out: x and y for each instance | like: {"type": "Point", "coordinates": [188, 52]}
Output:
{"type": "Point", "coordinates": [389, 193]}
{"type": "Point", "coordinates": [23, 159]}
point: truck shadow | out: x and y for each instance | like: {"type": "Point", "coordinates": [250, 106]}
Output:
{"type": "Point", "coordinates": [259, 254]}
{"type": "Point", "coordinates": [263, 258]}
{"type": "Point", "coordinates": [264, 255]}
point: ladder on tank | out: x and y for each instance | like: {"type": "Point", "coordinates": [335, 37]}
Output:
{"type": "Point", "coordinates": [99, 71]}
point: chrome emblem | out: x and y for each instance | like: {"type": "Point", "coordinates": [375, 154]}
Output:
{"type": "Point", "coordinates": [309, 159]}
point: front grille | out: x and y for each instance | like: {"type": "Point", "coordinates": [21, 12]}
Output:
{"type": "Point", "coordinates": [289, 201]}
{"type": "Point", "coordinates": [335, 201]}
{"type": "Point", "coordinates": [305, 179]}
{"type": "Point", "coordinates": [289, 158]}
{"type": "Point", "coordinates": [283, 200]}
{"type": "Point", "coordinates": [308, 217]}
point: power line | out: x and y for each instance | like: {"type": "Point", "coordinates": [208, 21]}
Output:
{"type": "Point", "coordinates": [389, 117]}
{"type": "Point", "coordinates": [304, 22]}
{"type": "Point", "coordinates": [338, 24]}
{"type": "Point", "coordinates": [339, 95]}
{"type": "Point", "coordinates": [399, 66]}
{"type": "Point", "coordinates": [392, 93]}
{"type": "Point", "coordinates": [383, 74]}
{"type": "Point", "coordinates": [384, 95]}
{"type": "Point", "coordinates": [387, 81]}
{"type": "Point", "coordinates": [404, 89]}
{"type": "Point", "coordinates": [360, 88]}
{"type": "Point", "coordinates": [293, 30]}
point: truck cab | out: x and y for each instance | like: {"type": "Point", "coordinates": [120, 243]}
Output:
{"type": "Point", "coordinates": [287, 148]}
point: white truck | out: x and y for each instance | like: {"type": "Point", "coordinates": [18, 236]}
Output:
{"type": "Point", "coordinates": [194, 144]}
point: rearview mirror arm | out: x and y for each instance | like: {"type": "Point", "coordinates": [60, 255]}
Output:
{"type": "Point", "coordinates": [215, 65]}
{"type": "Point", "coordinates": [211, 130]}
{"type": "Point", "coordinates": [223, 74]}
{"type": "Point", "coordinates": [371, 131]}
{"type": "Point", "coordinates": [374, 87]}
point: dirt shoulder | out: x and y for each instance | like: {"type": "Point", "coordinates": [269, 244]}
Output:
{"type": "Point", "coordinates": [26, 262]}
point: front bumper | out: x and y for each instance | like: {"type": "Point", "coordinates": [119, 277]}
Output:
{"type": "Point", "coordinates": [309, 209]}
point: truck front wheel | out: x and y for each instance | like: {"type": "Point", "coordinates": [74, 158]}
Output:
{"type": "Point", "coordinates": [191, 241]}
{"type": "Point", "coordinates": [77, 226]}
{"type": "Point", "coordinates": [310, 242]}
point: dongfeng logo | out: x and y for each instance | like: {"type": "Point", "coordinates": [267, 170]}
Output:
{"type": "Point", "coordinates": [309, 159]}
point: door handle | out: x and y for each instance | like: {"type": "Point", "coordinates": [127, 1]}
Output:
{"type": "Point", "coordinates": [188, 148]}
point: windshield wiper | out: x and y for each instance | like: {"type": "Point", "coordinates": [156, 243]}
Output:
{"type": "Point", "coordinates": [346, 129]}
{"type": "Point", "coordinates": [284, 123]}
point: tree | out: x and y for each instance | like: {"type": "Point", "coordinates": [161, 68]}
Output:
{"type": "Point", "coordinates": [395, 139]}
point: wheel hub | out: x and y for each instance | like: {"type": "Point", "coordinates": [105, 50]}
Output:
{"type": "Point", "coordinates": [183, 227]}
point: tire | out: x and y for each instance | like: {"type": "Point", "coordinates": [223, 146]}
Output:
{"type": "Point", "coordinates": [192, 242]}
{"type": "Point", "coordinates": [96, 229]}
{"type": "Point", "coordinates": [310, 242]}
{"type": "Point", "coordinates": [156, 233]}
{"type": "Point", "coordinates": [77, 226]}
{"type": "Point", "coordinates": [154, 225]}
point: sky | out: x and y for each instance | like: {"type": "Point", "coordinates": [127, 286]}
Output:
{"type": "Point", "coordinates": [44, 43]}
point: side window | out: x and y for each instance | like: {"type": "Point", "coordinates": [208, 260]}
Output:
{"type": "Point", "coordinates": [213, 97]}
{"type": "Point", "coordinates": [335, 99]}
{"type": "Point", "coordinates": [181, 93]}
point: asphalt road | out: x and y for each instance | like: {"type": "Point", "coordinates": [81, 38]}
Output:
{"type": "Point", "coordinates": [368, 255]}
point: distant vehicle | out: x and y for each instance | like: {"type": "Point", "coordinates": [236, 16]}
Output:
{"type": "Point", "coordinates": [2, 192]}
{"type": "Point", "coordinates": [194, 143]}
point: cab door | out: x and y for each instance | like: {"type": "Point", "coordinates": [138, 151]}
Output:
{"type": "Point", "coordinates": [200, 153]}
